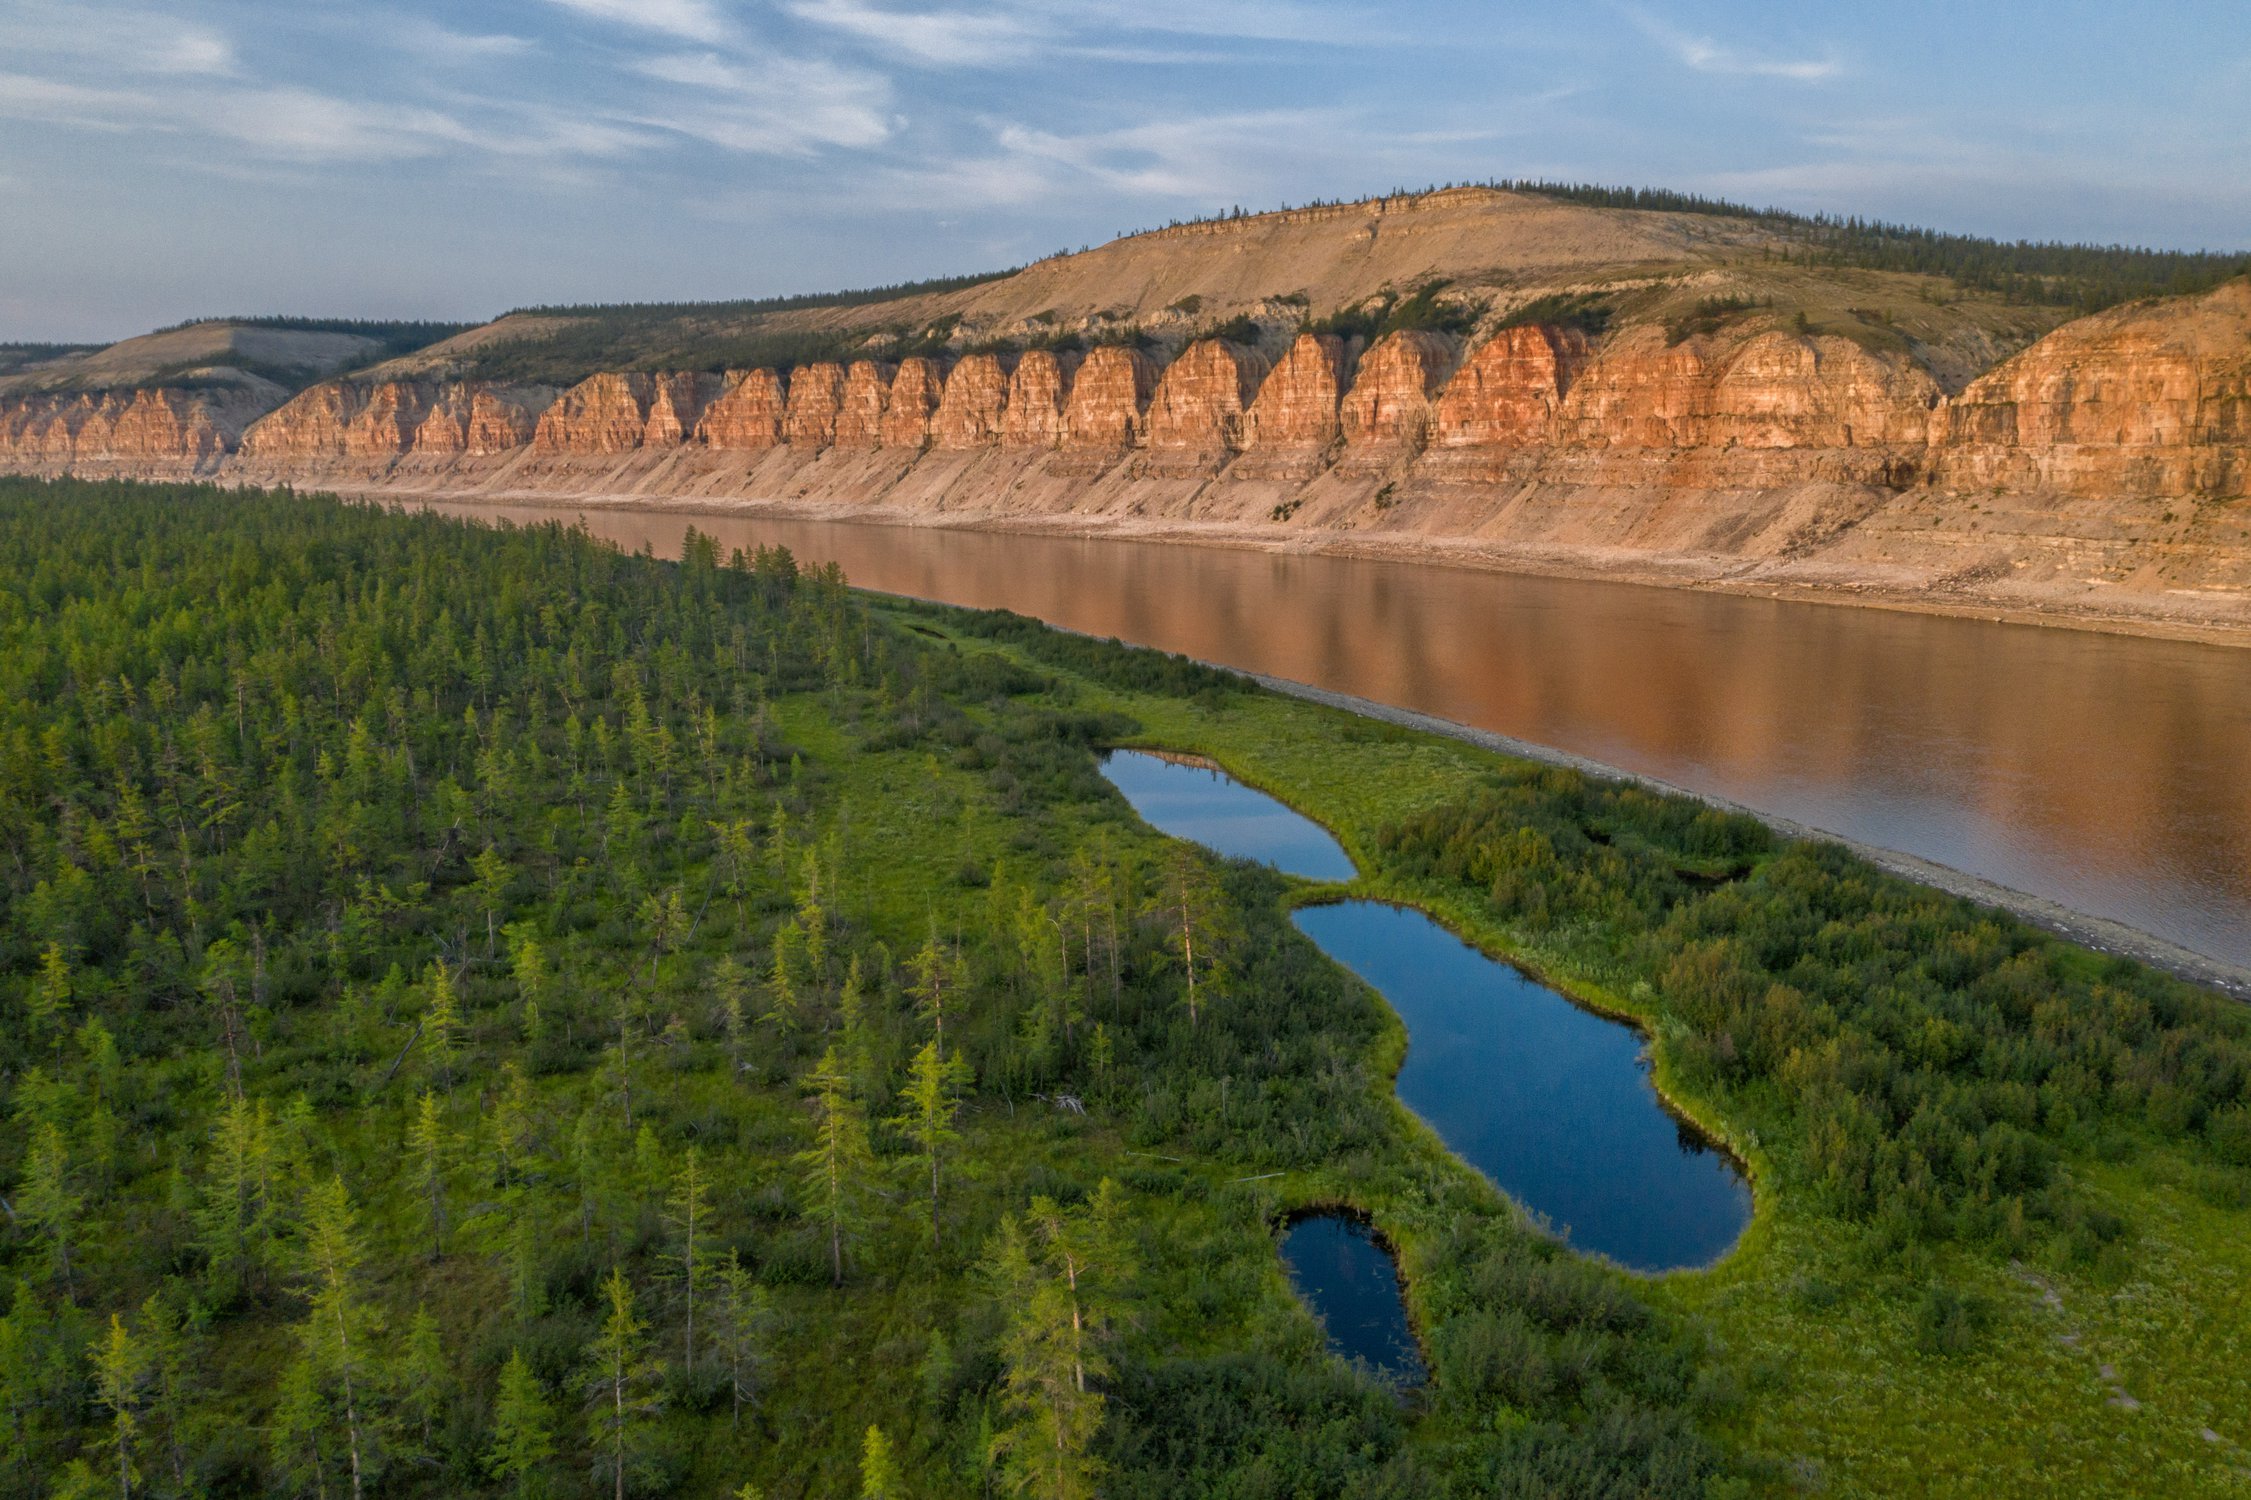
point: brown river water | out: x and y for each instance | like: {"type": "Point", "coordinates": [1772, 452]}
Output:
{"type": "Point", "coordinates": [2109, 773]}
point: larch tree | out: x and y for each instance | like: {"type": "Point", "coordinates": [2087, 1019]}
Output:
{"type": "Point", "coordinates": [623, 1383]}
{"type": "Point", "coordinates": [339, 1331]}
{"type": "Point", "coordinates": [120, 1370]}
{"type": "Point", "coordinates": [441, 1025]}
{"type": "Point", "coordinates": [744, 1311]}
{"type": "Point", "coordinates": [48, 1201]}
{"type": "Point", "coordinates": [429, 1145]}
{"type": "Point", "coordinates": [834, 1171]}
{"type": "Point", "coordinates": [523, 1430]}
{"type": "Point", "coordinates": [1198, 925]}
{"type": "Point", "coordinates": [424, 1376]}
{"type": "Point", "coordinates": [933, 1100]}
{"type": "Point", "coordinates": [879, 1468]}
{"type": "Point", "coordinates": [688, 1211]}
{"type": "Point", "coordinates": [1045, 1448]}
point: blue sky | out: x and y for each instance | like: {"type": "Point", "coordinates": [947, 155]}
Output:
{"type": "Point", "coordinates": [167, 160]}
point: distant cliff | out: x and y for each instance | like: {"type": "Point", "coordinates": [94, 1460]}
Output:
{"type": "Point", "coordinates": [2103, 468]}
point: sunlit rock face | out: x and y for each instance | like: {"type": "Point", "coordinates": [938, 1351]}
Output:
{"type": "Point", "coordinates": [816, 393]}
{"type": "Point", "coordinates": [751, 414]}
{"type": "Point", "coordinates": [1109, 398]}
{"type": "Point", "coordinates": [1038, 395]}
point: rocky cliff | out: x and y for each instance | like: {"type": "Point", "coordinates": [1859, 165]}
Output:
{"type": "Point", "coordinates": [2111, 457]}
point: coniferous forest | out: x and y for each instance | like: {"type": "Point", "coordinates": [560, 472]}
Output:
{"type": "Point", "coordinates": [491, 1015]}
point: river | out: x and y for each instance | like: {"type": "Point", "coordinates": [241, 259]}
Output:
{"type": "Point", "coordinates": [2108, 773]}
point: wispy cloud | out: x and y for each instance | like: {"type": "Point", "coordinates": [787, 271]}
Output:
{"type": "Point", "coordinates": [945, 38]}
{"type": "Point", "coordinates": [773, 103]}
{"type": "Point", "coordinates": [118, 40]}
{"type": "Point", "coordinates": [1705, 54]}
{"type": "Point", "coordinates": [437, 43]}
{"type": "Point", "coordinates": [690, 20]}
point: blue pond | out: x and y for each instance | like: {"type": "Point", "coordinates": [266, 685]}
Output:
{"type": "Point", "coordinates": [1552, 1102]}
{"type": "Point", "coordinates": [1219, 812]}
{"type": "Point", "coordinates": [1353, 1288]}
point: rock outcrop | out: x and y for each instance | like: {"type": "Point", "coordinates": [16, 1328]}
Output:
{"type": "Point", "coordinates": [1387, 412]}
{"type": "Point", "coordinates": [752, 414]}
{"type": "Point", "coordinates": [816, 392]}
{"type": "Point", "coordinates": [912, 406]}
{"type": "Point", "coordinates": [2114, 452]}
{"type": "Point", "coordinates": [1039, 396]}
{"type": "Point", "coordinates": [1509, 390]}
{"type": "Point", "coordinates": [1109, 400]}
{"type": "Point", "coordinates": [859, 413]}
{"type": "Point", "coordinates": [972, 410]}
{"type": "Point", "coordinates": [1201, 401]}
{"type": "Point", "coordinates": [2149, 399]}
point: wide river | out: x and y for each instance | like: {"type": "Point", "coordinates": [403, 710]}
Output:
{"type": "Point", "coordinates": [2109, 773]}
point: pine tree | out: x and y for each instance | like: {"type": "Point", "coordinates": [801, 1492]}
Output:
{"type": "Point", "coordinates": [120, 1369]}
{"type": "Point", "coordinates": [623, 1378]}
{"type": "Point", "coordinates": [688, 1210]}
{"type": "Point", "coordinates": [523, 1430]}
{"type": "Point", "coordinates": [932, 1100]}
{"type": "Point", "coordinates": [837, 1166]}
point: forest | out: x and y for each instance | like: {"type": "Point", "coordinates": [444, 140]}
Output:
{"type": "Point", "coordinates": [491, 1014]}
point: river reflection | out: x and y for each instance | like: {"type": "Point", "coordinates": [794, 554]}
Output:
{"type": "Point", "coordinates": [2110, 773]}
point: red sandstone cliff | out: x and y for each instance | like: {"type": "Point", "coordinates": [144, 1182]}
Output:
{"type": "Point", "coordinates": [912, 406]}
{"type": "Point", "coordinates": [815, 394]}
{"type": "Point", "coordinates": [859, 413]}
{"type": "Point", "coordinates": [1388, 410]}
{"type": "Point", "coordinates": [1039, 395]}
{"type": "Point", "coordinates": [1203, 398]}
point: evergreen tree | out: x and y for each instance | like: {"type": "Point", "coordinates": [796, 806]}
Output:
{"type": "Point", "coordinates": [120, 1370]}
{"type": "Point", "coordinates": [48, 1202]}
{"type": "Point", "coordinates": [744, 1310]}
{"type": "Point", "coordinates": [836, 1168]}
{"type": "Point", "coordinates": [425, 1377]}
{"type": "Point", "coordinates": [624, 1382]}
{"type": "Point", "coordinates": [428, 1144]}
{"type": "Point", "coordinates": [932, 1100]}
{"type": "Point", "coordinates": [441, 1026]}
{"type": "Point", "coordinates": [339, 1331]}
{"type": "Point", "coordinates": [523, 1430]}
{"type": "Point", "coordinates": [879, 1470]}
{"type": "Point", "coordinates": [688, 1210]}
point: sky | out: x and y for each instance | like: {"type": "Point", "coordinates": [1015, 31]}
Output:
{"type": "Point", "coordinates": [452, 160]}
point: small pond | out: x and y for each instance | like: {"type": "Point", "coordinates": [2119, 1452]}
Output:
{"type": "Point", "coordinates": [1198, 802]}
{"type": "Point", "coordinates": [1353, 1288]}
{"type": "Point", "coordinates": [1552, 1102]}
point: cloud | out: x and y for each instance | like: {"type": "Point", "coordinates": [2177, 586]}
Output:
{"type": "Point", "coordinates": [1705, 55]}
{"type": "Point", "coordinates": [442, 44]}
{"type": "Point", "coordinates": [769, 104]}
{"type": "Point", "coordinates": [945, 38]}
{"type": "Point", "coordinates": [690, 20]}
{"type": "Point", "coordinates": [131, 41]}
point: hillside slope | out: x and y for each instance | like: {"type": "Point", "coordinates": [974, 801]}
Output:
{"type": "Point", "coordinates": [1494, 376]}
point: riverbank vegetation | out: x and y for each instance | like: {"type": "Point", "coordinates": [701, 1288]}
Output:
{"type": "Point", "coordinates": [493, 1015]}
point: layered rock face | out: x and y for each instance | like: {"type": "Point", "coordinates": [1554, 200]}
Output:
{"type": "Point", "coordinates": [1202, 400]}
{"type": "Point", "coordinates": [1038, 396]}
{"type": "Point", "coordinates": [1298, 404]}
{"type": "Point", "coordinates": [816, 392]}
{"type": "Point", "coordinates": [1388, 409]}
{"type": "Point", "coordinates": [1109, 400]}
{"type": "Point", "coordinates": [912, 407]}
{"type": "Point", "coordinates": [2108, 451]}
{"type": "Point", "coordinates": [2152, 400]}
{"type": "Point", "coordinates": [676, 405]}
{"type": "Point", "coordinates": [155, 430]}
{"type": "Point", "coordinates": [859, 414]}
{"type": "Point", "coordinates": [751, 414]}
{"type": "Point", "coordinates": [974, 406]}
{"type": "Point", "coordinates": [1510, 389]}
